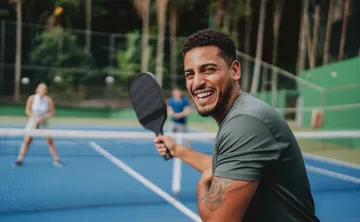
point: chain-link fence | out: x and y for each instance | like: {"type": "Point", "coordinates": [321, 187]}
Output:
{"type": "Point", "coordinates": [100, 77]}
{"type": "Point", "coordinates": [59, 57]}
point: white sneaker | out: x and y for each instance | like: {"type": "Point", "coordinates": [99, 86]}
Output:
{"type": "Point", "coordinates": [57, 164]}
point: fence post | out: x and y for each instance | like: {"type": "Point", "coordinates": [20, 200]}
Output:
{"type": "Point", "coordinates": [2, 52]}
{"type": "Point", "coordinates": [111, 50]}
{"type": "Point", "coordinates": [176, 181]}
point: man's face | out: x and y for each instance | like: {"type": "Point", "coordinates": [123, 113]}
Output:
{"type": "Point", "coordinates": [209, 79]}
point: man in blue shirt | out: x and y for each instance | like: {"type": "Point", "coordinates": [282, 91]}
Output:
{"type": "Point", "coordinates": [178, 110]}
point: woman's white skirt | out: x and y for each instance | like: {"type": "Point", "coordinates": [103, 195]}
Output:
{"type": "Point", "coordinates": [31, 124]}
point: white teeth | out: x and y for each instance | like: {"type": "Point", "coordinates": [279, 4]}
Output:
{"type": "Point", "coordinates": [204, 94]}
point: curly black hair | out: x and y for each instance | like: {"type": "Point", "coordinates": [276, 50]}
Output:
{"type": "Point", "coordinates": [212, 37]}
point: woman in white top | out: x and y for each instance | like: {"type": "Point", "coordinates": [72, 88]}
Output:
{"type": "Point", "coordinates": [39, 108]}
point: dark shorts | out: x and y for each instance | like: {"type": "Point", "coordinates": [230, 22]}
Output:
{"type": "Point", "coordinates": [177, 127]}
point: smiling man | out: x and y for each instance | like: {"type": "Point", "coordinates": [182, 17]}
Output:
{"type": "Point", "coordinates": [256, 171]}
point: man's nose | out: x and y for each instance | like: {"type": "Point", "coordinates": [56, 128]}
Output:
{"type": "Point", "coordinates": [199, 81]}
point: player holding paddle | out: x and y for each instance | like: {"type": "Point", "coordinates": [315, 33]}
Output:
{"type": "Point", "coordinates": [256, 171]}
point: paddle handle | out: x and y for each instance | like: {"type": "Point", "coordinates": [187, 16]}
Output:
{"type": "Point", "coordinates": [167, 156]}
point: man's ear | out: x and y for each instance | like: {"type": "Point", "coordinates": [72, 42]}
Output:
{"type": "Point", "coordinates": [235, 70]}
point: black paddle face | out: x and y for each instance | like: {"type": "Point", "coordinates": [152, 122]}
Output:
{"type": "Point", "coordinates": [149, 103]}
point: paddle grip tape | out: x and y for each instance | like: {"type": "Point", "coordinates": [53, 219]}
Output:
{"type": "Point", "coordinates": [167, 156]}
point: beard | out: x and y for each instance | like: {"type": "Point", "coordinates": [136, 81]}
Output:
{"type": "Point", "coordinates": [221, 103]}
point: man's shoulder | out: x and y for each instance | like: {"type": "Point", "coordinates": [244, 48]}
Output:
{"type": "Point", "coordinates": [248, 109]}
{"type": "Point", "coordinates": [248, 105]}
{"type": "Point", "coordinates": [239, 123]}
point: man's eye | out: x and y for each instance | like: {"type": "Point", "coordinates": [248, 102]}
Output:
{"type": "Point", "coordinates": [187, 75]}
{"type": "Point", "coordinates": [210, 70]}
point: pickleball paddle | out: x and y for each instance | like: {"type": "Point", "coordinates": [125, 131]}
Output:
{"type": "Point", "coordinates": [149, 103]}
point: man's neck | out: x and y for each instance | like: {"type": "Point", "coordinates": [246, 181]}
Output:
{"type": "Point", "coordinates": [228, 105]}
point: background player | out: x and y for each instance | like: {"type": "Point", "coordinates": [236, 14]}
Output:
{"type": "Point", "coordinates": [178, 110]}
{"type": "Point", "coordinates": [39, 108]}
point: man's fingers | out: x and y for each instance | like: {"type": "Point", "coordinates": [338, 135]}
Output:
{"type": "Point", "coordinates": [159, 139]}
{"type": "Point", "coordinates": [162, 151]}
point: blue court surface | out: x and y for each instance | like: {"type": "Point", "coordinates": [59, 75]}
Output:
{"type": "Point", "coordinates": [106, 180]}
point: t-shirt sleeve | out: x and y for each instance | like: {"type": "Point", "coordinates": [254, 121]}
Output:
{"type": "Point", "coordinates": [245, 147]}
{"type": "Point", "coordinates": [169, 103]}
{"type": "Point", "coordinates": [186, 102]}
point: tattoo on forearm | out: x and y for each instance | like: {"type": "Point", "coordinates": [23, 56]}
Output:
{"type": "Point", "coordinates": [214, 198]}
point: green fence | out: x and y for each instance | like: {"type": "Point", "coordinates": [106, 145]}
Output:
{"type": "Point", "coordinates": [340, 101]}
{"type": "Point", "coordinates": [341, 98]}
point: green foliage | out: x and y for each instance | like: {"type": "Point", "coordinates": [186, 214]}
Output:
{"type": "Point", "coordinates": [183, 4]}
{"type": "Point", "coordinates": [239, 9]}
{"type": "Point", "coordinates": [71, 3]}
{"type": "Point", "coordinates": [129, 58]}
{"type": "Point", "coordinates": [4, 12]}
{"type": "Point", "coordinates": [59, 48]}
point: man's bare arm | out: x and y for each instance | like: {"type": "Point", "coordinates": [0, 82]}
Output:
{"type": "Point", "coordinates": [225, 199]}
{"type": "Point", "coordinates": [196, 160]}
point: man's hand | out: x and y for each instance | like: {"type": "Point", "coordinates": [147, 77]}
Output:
{"type": "Point", "coordinates": [206, 178]}
{"type": "Point", "coordinates": [162, 142]}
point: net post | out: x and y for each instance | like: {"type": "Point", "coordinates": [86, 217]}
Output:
{"type": "Point", "coordinates": [176, 181]}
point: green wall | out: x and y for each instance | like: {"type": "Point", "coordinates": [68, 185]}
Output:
{"type": "Point", "coordinates": [340, 89]}
{"type": "Point", "coordinates": [281, 96]}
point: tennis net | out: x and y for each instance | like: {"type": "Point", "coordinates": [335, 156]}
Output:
{"type": "Point", "coordinates": [108, 168]}
{"type": "Point", "coordinates": [101, 168]}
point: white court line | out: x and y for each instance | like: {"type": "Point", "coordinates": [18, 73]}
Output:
{"type": "Point", "coordinates": [333, 174]}
{"type": "Point", "coordinates": [146, 182]}
{"type": "Point", "coordinates": [331, 161]}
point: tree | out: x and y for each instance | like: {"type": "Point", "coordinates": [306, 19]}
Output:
{"type": "Point", "coordinates": [218, 6]}
{"type": "Point", "coordinates": [161, 6]}
{"type": "Point", "coordinates": [315, 36]}
{"type": "Point", "coordinates": [88, 25]}
{"type": "Point", "coordinates": [279, 4]}
{"type": "Point", "coordinates": [247, 47]}
{"type": "Point", "coordinates": [57, 17]}
{"type": "Point", "coordinates": [259, 47]}
{"type": "Point", "coordinates": [226, 18]}
{"type": "Point", "coordinates": [302, 39]}
{"type": "Point", "coordinates": [4, 12]}
{"type": "Point", "coordinates": [143, 9]}
{"type": "Point", "coordinates": [328, 32]}
{"type": "Point", "coordinates": [72, 64]}
{"type": "Point", "coordinates": [238, 9]}
{"type": "Point", "coordinates": [128, 60]}
{"type": "Point", "coordinates": [175, 7]}
{"type": "Point", "coordinates": [18, 5]}
{"type": "Point", "coordinates": [343, 31]}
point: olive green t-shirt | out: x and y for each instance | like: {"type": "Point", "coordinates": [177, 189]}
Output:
{"type": "Point", "coordinates": [254, 143]}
